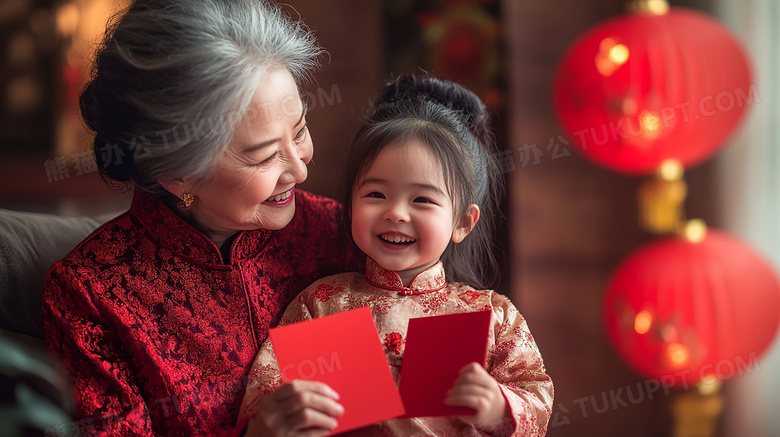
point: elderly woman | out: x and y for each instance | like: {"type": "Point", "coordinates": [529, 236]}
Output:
{"type": "Point", "coordinates": [158, 315]}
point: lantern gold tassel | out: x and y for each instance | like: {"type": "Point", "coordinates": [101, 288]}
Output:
{"type": "Point", "coordinates": [661, 199]}
{"type": "Point", "coordinates": [657, 7]}
{"type": "Point", "coordinates": [696, 412]}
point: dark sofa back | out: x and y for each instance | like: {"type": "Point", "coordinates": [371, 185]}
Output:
{"type": "Point", "coordinates": [29, 244]}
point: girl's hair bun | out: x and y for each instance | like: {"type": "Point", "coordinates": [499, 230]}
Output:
{"type": "Point", "coordinates": [426, 88]}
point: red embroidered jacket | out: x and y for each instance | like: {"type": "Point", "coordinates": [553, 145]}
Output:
{"type": "Point", "coordinates": [158, 334]}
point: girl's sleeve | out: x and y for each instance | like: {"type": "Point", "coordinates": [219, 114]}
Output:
{"type": "Point", "coordinates": [516, 364]}
{"type": "Point", "coordinates": [107, 399]}
{"type": "Point", "coordinates": [265, 376]}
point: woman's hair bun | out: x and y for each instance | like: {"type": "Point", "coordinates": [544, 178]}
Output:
{"type": "Point", "coordinates": [92, 111]}
{"type": "Point", "coordinates": [113, 158]}
{"type": "Point", "coordinates": [424, 87]}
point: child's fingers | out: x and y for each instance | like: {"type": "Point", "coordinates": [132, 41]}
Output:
{"type": "Point", "coordinates": [472, 367]}
{"type": "Point", "coordinates": [474, 370]}
{"type": "Point", "coordinates": [488, 404]}
{"type": "Point", "coordinates": [305, 421]}
{"type": "Point", "coordinates": [474, 388]}
{"type": "Point", "coordinates": [474, 374]}
{"type": "Point", "coordinates": [308, 418]}
{"type": "Point", "coordinates": [475, 401]}
{"type": "Point", "coordinates": [300, 394]}
{"type": "Point", "coordinates": [313, 433]}
{"type": "Point", "coordinates": [301, 405]}
{"type": "Point", "coordinates": [470, 390]}
{"type": "Point", "coordinates": [299, 386]}
{"type": "Point", "coordinates": [312, 401]}
{"type": "Point", "coordinates": [478, 400]}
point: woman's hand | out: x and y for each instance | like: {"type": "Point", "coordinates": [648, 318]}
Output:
{"type": "Point", "coordinates": [475, 388]}
{"type": "Point", "coordinates": [300, 408]}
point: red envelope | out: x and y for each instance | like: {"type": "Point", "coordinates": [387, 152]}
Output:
{"type": "Point", "coordinates": [342, 350]}
{"type": "Point", "coordinates": [436, 349]}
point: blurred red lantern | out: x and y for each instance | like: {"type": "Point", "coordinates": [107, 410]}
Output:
{"type": "Point", "coordinates": [643, 88]}
{"type": "Point", "coordinates": [679, 310]}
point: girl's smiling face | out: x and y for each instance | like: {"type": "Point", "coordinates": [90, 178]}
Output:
{"type": "Point", "coordinates": [402, 215]}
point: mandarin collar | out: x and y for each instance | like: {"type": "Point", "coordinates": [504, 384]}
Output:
{"type": "Point", "coordinates": [429, 280]}
{"type": "Point", "coordinates": [174, 233]}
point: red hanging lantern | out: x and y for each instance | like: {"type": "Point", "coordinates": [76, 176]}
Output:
{"type": "Point", "coordinates": [682, 309]}
{"type": "Point", "coordinates": [647, 87]}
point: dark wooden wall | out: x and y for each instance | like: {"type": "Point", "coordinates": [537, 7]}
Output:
{"type": "Point", "coordinates": [351, 32]}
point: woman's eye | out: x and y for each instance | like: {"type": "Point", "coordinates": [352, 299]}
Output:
{"type": "Point", "coordinates": [375, 195]}
{"type": "Point", "coordinates": [267, 160]}
{"type": "Point", "coordinates": [301, 133]}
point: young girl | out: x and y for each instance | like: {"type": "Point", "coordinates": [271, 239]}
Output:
{"type": "Point", "coordinates": [422, 190]}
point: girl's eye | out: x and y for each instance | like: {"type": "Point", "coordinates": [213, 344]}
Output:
{"type": "Point", "coordinates": [301, 134]}
{"type": "Point", "coordinates": [422, 200]}
{"type": "Point", "coordinates": [375, 195]}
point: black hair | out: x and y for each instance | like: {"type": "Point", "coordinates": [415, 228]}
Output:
{"type": "Point", "coordinates": [454, 124]}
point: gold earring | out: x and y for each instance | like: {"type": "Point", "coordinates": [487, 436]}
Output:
{"type": "Point", "coordinates": [186, 201]}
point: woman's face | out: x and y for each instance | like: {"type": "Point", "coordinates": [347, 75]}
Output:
{"type": "Point", "coordinates": [253, 185]}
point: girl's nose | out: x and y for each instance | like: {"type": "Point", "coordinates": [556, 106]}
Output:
{"type": "Point", "coordinates": [396, 213]}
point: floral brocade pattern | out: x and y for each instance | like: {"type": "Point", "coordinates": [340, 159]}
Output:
{"type": "Point", "coordinates": [513, 357]}
{"type": "Point", "coordinates": [430, 279]}
{"type": "Point", "coordinates": [158, 334]}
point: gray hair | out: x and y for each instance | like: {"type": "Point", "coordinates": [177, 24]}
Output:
{"type": "Point", "coordinates": [172, 78]}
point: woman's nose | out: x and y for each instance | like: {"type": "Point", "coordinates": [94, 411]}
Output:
{"type": "Point", "coordinates": [396, 213]}
{"type": "Point", "coordinates": [306, 151]}
{"type": "Point", "coordinates": [300, 156]}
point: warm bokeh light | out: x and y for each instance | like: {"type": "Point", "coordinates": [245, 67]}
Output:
{"type": "Point", "coordinates": [708, 385]}
{"type": "Point", "coordinates": [68, 19]}
{"type": "Point", "coordinates": [81, 23]}
{"type": "Point", "coordinates": [629, 106]}
{"type": "Point", "coordinates": [671, 170]}
{"type": "Point", "coordinates": [678, 354]}
{"type": "Point", "coordinates": [606, 44]}
{"type": "Point", "coordinates": [643, 321]}
{"type": "Point", "coordinates": [650, 124]}
{"type": "Point", "coordinates": [24, 94]}
{"type": "Point", "coordinates": [695, 231]}
{"type": "Point", "coordinates": [618, 54]}
{"type": "Point", "coordinates": [611, 55]}
{"type": "Point", "coordinates": [604, 66]}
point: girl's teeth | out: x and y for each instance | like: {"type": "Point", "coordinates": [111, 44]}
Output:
{"type": "Point", "coordinates": [280, 197]}
{"type": "Point", "coordinates": [397, 239]}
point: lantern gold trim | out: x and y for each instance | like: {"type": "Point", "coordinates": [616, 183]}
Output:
{"type": "Point", "coordinates": [655, 7]}
{"type": "Point", "coordinates": [661, 199]}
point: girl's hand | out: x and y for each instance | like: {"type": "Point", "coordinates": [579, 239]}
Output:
{"type": "Point", "coordinates": [475, 388]}
{"type": "Point", "coordinates": [300, 408]}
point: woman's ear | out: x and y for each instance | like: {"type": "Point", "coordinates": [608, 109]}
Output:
{"type": "Point", "coordinates": [177, 186]}
{"type": "Point", "coordinates": [465, 223]}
